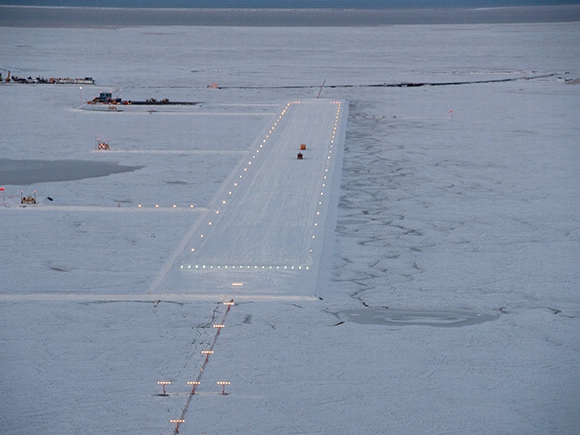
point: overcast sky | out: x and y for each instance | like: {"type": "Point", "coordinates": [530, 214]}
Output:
{"type": "Point", "coordinates": [363, 4]}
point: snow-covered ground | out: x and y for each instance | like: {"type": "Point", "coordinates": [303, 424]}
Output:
{"type": "Point", "coordinates": [457, 207]}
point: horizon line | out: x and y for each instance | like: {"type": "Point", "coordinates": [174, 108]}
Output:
{"type": "Point", "coordinates": [395, 7]}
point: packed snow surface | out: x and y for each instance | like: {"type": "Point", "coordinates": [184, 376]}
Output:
{"type": "Point", "coordinates": [415, 272]}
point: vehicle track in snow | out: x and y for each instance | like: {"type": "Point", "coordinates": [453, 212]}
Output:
{"type": "Point", "coordinates": [399, 84]}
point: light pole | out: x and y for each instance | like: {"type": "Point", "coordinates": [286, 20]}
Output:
{"type": "Point", "coordinates": [223, 384]}
{"type": "Point", "coordinates": [207, 353]}
{"type": "Point", "coordinates": [164, 384]}
{"type": "Point", "coordinates": [81, 89]}
{"type": "Point", "coordinates": [177, 423]}
{"type": "Point", "coordinates": [193, 384]}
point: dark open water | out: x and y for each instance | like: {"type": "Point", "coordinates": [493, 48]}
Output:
{"type": "Point", "coordinates": [18, 16]}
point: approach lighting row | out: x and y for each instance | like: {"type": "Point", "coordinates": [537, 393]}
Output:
{"type": "Point", "coordinates": [196, 383]}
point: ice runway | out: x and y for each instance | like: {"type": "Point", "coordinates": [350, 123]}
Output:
{"type": "Point", "coordinates": [265, 228]}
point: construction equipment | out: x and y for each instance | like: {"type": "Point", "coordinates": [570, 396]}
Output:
{"type": "Point", "coordinates": [105, 98]}
{"type": "Point", "coordinates": [30, 199]}
{"type": "Point", "coordinates": [102, 145]}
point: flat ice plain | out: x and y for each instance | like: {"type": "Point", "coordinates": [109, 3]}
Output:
{"type": "Point", "coordinates": [453, 203]}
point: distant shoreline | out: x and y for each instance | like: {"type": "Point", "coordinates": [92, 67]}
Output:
{"type": "Point", "coordinates": [93, 17]}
